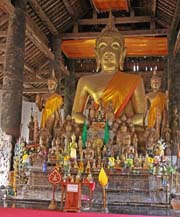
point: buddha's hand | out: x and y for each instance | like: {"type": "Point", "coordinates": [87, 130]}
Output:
{"type": "Point", "coordinates": [79, 118]}
{"type": "Point", "coordinates": [138, 119]}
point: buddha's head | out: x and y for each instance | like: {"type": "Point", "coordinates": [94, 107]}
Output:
{"type": "Point", "coordinates": [155, 81]}
{"type": "Point", "coordinates": [52, 82]}
{"type": "Point", "coordinates": [110, 50]}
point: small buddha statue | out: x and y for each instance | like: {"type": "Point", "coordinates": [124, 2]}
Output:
{"type": "Point", "coordinates": [50, 105]}
{"type": "Point", "coordinates": [78, 177]}
{"type": "Point", "coordinates": [157, 105]}
{"type": "Point", "coordinates": [94, 164]}
{"type": "Point", "coordinates": [31, 128]}
{"type": "Point", "coordinates": [88, 167]}
{"type": "Point", "coordinates": [100, 113]}
{"type": "Point", "coordinates": [117, 162]}
{"type": "Point", "coordinates": [88, 152]}
{"type": "Point", "coordinates": [125, 90]}
{"type": "Point", "coordinates": [73, 147]}
{"type": "Point", "coordinates": [110, 112]}
{"type": "Point", "coordinates": [52, 152]}
{"type": "Point", "coordinates": [135, 142]}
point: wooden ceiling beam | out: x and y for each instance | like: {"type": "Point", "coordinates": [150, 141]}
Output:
{"type": "Point", "coordinates": [177, 44]}
{"type": "Point", "coordinates": [2, 46]}
{"type": "Point", "coordinates": [131, 9]}
{"type": "Point", "coordinates": [3, 34]}
{"type": "Point", "coordinates": [117, 20]}
{"type": "Point", "coordinates": [35, 81]}
{"type": "Point", "coordinates": [174, 29]}
{"type": "Point", "coordinates": [147, 32]}
{"type": "Point", "coordinates": [29, 68]}
{"type": "Point", "coordinates": [153, 9]}
{"type": "Point", "coordinates": [71, 12]}
{"type": "Point", "coordinates": [153, 14]}
{"type": "Point", "coordinates": [32, 31]}
{"type": "Point", "coordinates": [35, 90]}
{"type": "Point", "coordinates": [2, 58]}
{"type": "Point", "coordinates": [94, 8]}
{"type": "Point", "coordinates": [38, 9]}
{"type": "Point", "coordinates": [4, 19]}
{"type": "Point", "coordinates": [176, 17]}
{"type": "Point", "coordinates": [162, 23]}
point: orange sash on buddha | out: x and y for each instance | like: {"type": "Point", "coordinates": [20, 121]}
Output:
{"type": "Point", "coordinates": [52, 104]}
{"type": "Point", "coordinates": [120, 89]}
{"type": "Point", "coordinates": [158, 105]}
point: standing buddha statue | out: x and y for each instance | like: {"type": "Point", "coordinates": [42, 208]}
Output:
{"type": "Point", "coordinates": [50, 105]}
{"type": "Point", "coordinates": [157, 109]}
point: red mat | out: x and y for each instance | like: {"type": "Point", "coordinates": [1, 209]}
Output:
{"type": "Point", "coordinates": [14, 212]}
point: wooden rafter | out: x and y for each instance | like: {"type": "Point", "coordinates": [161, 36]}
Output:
{"type": "Point", "coordinates": [4, 19]}
{"type": "Point", "coordinates": [2, 46]}
{"type": "Point", "coordinates": [3, 33]}
{"type": "Point", "coordinates": [153, 14]}
{"type": "Point", "coordinates": [176, 17]}
{"type": "Point", "coordinates": [153, 9]}
{"type": "Point", "coordinates": [35, 81]}
{"type": "Point", "coordinates": [120, 20]}
{"type": "Point", "coordinates": [38, 9]}
{"type": "Point", "coordinates": [32, 31]}
{"type": "Point", "coordinates": [29, 68]}
{"type": "Point", "coordinates": [162, 23]}
{"type": "Point", "coordinates": [1, 59]}
{"type": "Point", "coordinates": [175, 30]}
{"type": "Point", "coordinates": [147, 32]}
{"type": "Point", "coordinates": [35, 90]}
{"type": "Point", "coordinates": [71, 12]}
{"type": "Point", "coordinates": [177, 44]}
{"type": "Point", "coordinates": [93, 6]}
{"type": "Point", "coordinates": [131, 9]}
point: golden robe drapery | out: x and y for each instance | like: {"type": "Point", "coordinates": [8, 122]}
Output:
{"type": "Point", "coordinates": [53, 103]}
{"type": "Point", "coordinates": [120, 89]}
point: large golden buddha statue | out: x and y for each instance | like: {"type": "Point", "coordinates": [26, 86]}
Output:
{"type": "Point", "coordinates": [125, 91]}
{"type": "Point", "coordinates": [50, 105]}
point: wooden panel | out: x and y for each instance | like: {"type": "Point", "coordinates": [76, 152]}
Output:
{"type": "Point", "coordinates": [136, 46]}
{"type": "Point", "coordinates": [104, 5]}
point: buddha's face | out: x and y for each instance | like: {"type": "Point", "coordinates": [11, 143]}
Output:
{"type": "Point", "coordinates": [108, 52]}
{"type": "Point", "coordinates": [52, 85]}
{"type": "Point", "coordinates": [155, 83]}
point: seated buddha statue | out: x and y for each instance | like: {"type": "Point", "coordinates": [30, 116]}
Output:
{"type": "Point", "coordinates": [157, 106]}
{"type": "Point", "coordinates": [124, 90]}
{"type": "Point", "coordinates": [50, 104]}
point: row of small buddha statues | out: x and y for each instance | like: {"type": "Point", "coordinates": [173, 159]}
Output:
{"type": "Point", "coordinates": [122, 144]}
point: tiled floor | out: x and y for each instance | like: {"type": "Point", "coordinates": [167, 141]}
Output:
{"type": "Point", "coordinates": [122, 209]}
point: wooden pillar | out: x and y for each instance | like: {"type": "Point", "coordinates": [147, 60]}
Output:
{"type": "Point", "coordinates": [56, 48]}
{"type": "Point", "coordinates": [176, 81]}
{"type": "Point", "coordinates": [69, 88]}
{"type": "Point", "coordinates": [171, 78]}
{"type": "Point", "coordinates": [13, 71]}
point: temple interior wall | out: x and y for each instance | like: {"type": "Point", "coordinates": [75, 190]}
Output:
{"type": "Point", "coordinates": [26, 113]}
{"type": "Point", "coordinates": [25, 118]}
